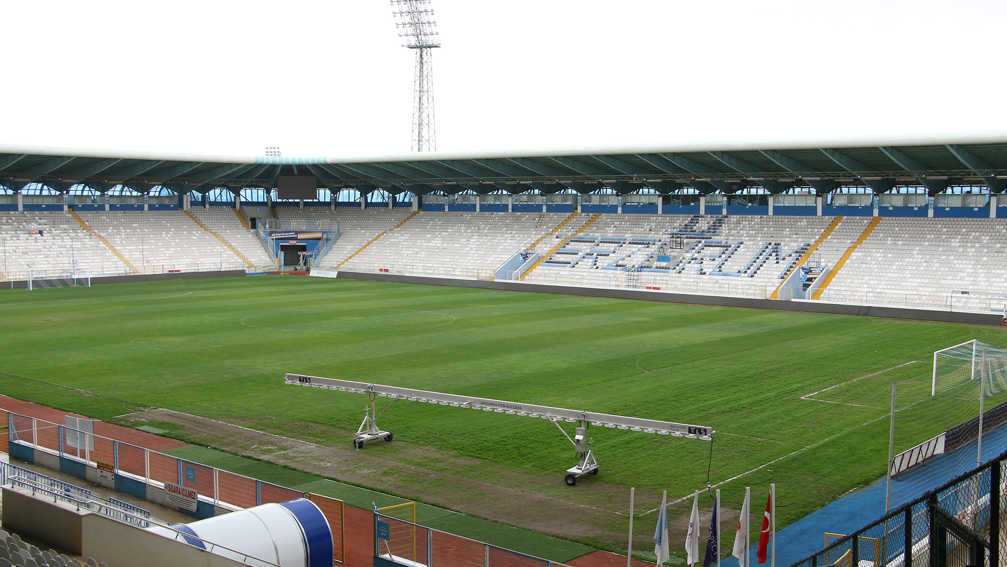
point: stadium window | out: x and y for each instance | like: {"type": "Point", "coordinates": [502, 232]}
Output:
{"type": "Point", "coordinates": [123, 191]}
{"type": "Point", "coordinates": [404, 197]}
{"type": "Point", "coordinates": [38, 189]}
{"type": "Point", "coordinates": [4, 190]}
{"type": "Point", "coordinates": [323, 195]}
{"type": "Point", "coordinates": [685, 191]}
{"type": "Point", "coordinates": [801, 190]}
{"type": "Point", "coordinates": [348, 196]}
{"type": "Point", "coordinates": [967, 190]}
{"type": "Point", "coordinates": [646, 191]}
{"type": "Point", "coordinates": [378, 196]}
{"type": "Point", "coordinates": [567, 191]}
{"type": "Point", "coordinates": [220, 195]}
{"type": "Point", "coordinates": [908, 190]}
{"type": "Point", "coordinates": [532, 191]}
{"type": "Point", "coordinates": [252, 195]}
{"type": "Point", "coordinates": [850, 195]}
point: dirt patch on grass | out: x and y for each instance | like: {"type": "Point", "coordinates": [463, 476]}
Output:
{"type": "Point", "coordinates": [593, 510]}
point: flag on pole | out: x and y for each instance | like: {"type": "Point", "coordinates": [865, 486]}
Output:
{"type": "Point", "coordinates": [692, 537]}
{"type": "Point", "coordinates": [741, 540]}
{"type": "Point", "coordinates": [713, 540]}
{"type": "Point", "coordinates": [766, 531]}
{"type": "Point", "coordinates": [661, 532]}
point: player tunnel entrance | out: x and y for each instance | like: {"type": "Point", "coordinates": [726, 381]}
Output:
{"type": "Point", "coordinates": [290, 253]}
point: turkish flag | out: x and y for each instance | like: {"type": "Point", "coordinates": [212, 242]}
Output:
{"type": "Point", "coordinates": [764, 535]}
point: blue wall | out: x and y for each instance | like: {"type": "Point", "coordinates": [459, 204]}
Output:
{"type": "Point", "coordinates": [254, 203]}
{"type": "Point", "coordinates": [318, 204]}
{"type": "Point", "coordinates": [221, 203]}
{"type": "Point", "coordinates": [680, 209]}
{"type": "Point", "coordinates": [348, 204]}
{"type": "Point", "coordinates": [124, 207]}
{"type": "Point", "coordinates": [795, 211]}
{"type": "Point", "coordinates": [398, 204]}
{"type": "Point", "coordinates": [130, 486]}
{"type": "Point", "coordinates": [10, 207]}
{"type": "Point", "coordinates": [610, 209]}
{"type": "Point", "coordinates": [639, 209]}
{"type": "Point", "coordinates": [962, 212]}
{"type": "Point", "coordinates": [559, 208]}
{"type": "Point", "coordinates": [749, 210]}
{"type": "Point", "coordinates": [902, 212]}
{"type": "Point", "coordinates": [163, 207]}
{"type": "Point", "coordinates": [526, 208]}
{"type": "Point", "coordinates": [38, 207]}
{"type": "Point", "coordinates": [88, 207]}
{"type": "Point", "coordinates": [436, 207]}
{"type": "Point", "coordinates": [290, 204]}
{"type": "Point", "coordinates": [22, 453]}
{"type": "Point", "coordinates": [846, 211]}
{"type": "Point", "coordinates": [493, 207]}
{"type": "Point", "coordinates": [72, 467]}
{"type": "Point", "coordinates": [462, 208]}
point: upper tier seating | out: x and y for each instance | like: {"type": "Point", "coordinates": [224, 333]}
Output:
{"type": "Point", "coordinates": [928, 262]}
{"type": "Point", "coordinates": [455, 244]}
{"type": "Point", "coordinates": [224, 222]}
{"type": "Point", "coordinates": [58, 248]}
{"type": "Point", "coordinates": [356, 226]}
{"type": "Point", "coordinates": [157, 241]}
{"type": "Point", "coordinates": [738, 255]}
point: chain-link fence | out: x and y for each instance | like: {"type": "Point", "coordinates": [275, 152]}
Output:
{"type": "Point", "coordinates": [953, 525]}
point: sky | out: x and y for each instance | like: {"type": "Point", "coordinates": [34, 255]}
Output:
{"type": "Point", "coordinates": [225, 78]}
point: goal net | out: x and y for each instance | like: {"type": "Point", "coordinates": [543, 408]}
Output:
{"type": "Point", "coordinates": [969, 370]}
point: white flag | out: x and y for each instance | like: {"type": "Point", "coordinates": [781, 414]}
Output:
{"type": "Point", "coordinates": [661, 533]}
{"type": "Point", "coordinates": [741, 540]}
{"type": "Point", "coordinates": [692, 538]}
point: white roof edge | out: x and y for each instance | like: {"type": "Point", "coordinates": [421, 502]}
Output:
{"type": "Point", "coordinates": [751, 145]}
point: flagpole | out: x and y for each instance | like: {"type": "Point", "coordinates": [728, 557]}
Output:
{"type": "Point", "coordinates": [629, 551]}
{"type": "Point", "coordinates": [772, 525]}
{"type": "Point", "coordinates": [748, 531]}
{"type": "Point", "coordinates": [717, 512]}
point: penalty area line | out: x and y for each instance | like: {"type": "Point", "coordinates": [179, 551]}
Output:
{"type": "Point", "coordinates": [810, 397]}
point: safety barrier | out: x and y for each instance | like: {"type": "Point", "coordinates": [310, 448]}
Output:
{"type": "Point", "coordinates": [81, 498]}
{"type": "Point", "coordinates": [957, 515]}
{"type": "Point", "coordinates": [400, 542]}
{"type": "Point", "coordinates": [136, 469]}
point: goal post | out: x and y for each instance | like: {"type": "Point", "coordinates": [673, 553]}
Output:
{"type": "Point", "coordinates": [972, 369]}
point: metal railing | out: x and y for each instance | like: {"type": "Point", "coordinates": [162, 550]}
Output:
{"type": "Point", "coordinates": [978, 302]}
{"type": "Point", "coordinates": [81, 498]}
{"type": "Point", "coordinates": [408, 543]}
{"type": "Point", "coordinates": [906, 535]}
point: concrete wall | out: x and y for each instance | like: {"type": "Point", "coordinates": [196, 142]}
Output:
{"type": "Point", "coordinates": [805, 306]}
{"type": "Point", "coordinates": [147, 278]}
{"type": "Point", "coordinates": [121, 545]}
{"type": "Point", "coordinates": [92, 535]}
{"type": "Point", "coordinates": [42, 521]}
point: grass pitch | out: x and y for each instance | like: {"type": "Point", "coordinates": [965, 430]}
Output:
{"type": "Point", "coordinates": [220, 347]}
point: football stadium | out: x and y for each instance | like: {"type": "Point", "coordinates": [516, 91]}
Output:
{"type": "Point", "coordinates": [786, 354]}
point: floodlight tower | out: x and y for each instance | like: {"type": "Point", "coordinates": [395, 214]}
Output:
{"type": "Point", "coordinates": [418, 30]}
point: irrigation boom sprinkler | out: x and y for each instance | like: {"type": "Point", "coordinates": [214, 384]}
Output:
{"type": "Point", "coordinates": [587, 463]}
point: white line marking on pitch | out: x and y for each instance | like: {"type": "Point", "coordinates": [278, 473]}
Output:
{"type": "Point", "coordinates": [806, 447]}
{"type": "Point", "coordinates": [809, 397]}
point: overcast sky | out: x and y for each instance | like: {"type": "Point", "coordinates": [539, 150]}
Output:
{"type": "Point", "coordinates": [328, 78]}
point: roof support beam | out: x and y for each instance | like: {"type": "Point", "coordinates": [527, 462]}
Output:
{"type": "Point", "coordinates": [844, 161]}
{"type": "Point", "coordinates": [909, 164]}
{"type": "Point", "coordinates": [978, 166]}
{"type": "Point", "coordinates": [734, 163]}
{"type": "Point", "coordinates": [576, 167]}
{"type": "Point", "coordinates": [786, 162]}
{"type": "Point", "coordinates": [178, 170]}
{"type": "Point", "coordinates": [696, 169]}
{"type": "Point", "coordinates": [137, 169]}
{"type": "Point", "coordinates": [617, 164]}
{"type": "Point", "coordinates": [500, 167]}
{"type": "Point", "coordinates": [10, 160]}
{"type": "Point", "coordinates": [537, 169]}
{"type": "Point", "coordinates": [48, 166]}
{"type": "Point", "coordinates": [92, 169]}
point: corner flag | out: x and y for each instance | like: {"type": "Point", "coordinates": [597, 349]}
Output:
{"type": "Point", "coordinates": [661, 532]}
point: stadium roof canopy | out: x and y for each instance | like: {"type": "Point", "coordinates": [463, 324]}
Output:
{"type": "Point", "coordinates": [932, 165]}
